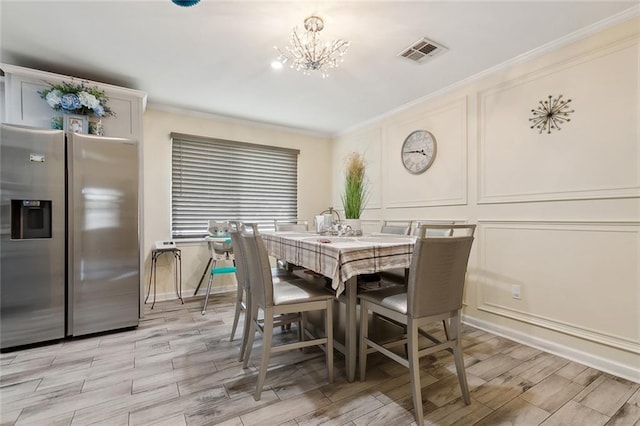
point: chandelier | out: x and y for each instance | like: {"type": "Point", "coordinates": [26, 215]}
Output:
{"type": "Point", "coordinates": [307, 53]}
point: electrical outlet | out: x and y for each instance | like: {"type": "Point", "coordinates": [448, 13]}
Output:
{"type": "Point", "coordinates": [515, 291]}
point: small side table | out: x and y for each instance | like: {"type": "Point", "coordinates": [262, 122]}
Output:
{"type": "Point", "coordinates": [177, 256]}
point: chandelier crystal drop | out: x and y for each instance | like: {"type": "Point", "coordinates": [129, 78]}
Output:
{"type": "Point", "coordinates": [307, 53]}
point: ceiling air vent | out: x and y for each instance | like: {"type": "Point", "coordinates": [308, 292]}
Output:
{"type": "Point", "coordinates": [422, 50]}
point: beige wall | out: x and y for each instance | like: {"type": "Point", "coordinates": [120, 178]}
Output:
{"type": "Point", "coordinates": [558, 214]}
{"type": "Point", "coordinates": [314, 184]}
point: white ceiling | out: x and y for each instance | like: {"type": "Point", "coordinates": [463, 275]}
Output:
{"type": "Point", "coordinates": [215, 57]}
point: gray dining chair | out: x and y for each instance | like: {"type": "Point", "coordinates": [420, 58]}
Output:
{"type": "Point", "coordinates": [286, 297]}
{"type": "Point", "coordinates": [243, 295]}
{"type": "Point", "coordinates": [401, 275]}
{"type": "Point", "coordinates": [434, 293]}
{"type": "Point", "coordinates": [434, 231]}
{"type": "Point", "coordinates": [282, 225]}
{"type": "Point", "coordinates": [290, 225]}
{"type": "Point", "coordinates": [399, 227]}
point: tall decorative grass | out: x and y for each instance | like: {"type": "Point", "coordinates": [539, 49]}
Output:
{"type": "Point", "coordinates": [356, 193]}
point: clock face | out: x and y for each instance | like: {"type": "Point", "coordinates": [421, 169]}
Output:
{"type": "Point", "coordinates": [418, 151]}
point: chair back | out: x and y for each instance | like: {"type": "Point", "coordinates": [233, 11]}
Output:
{"type": "Point", "coordinates": [237, 225]}
{"type": "Point", "coordinates": [402, 227]}
{"type": "Point", "coordinates": [241, 259]}
{"type": "Point", "coordinates": [258, 266]}
{"type": "Point", "coordinates": [437, 272]}
{"type": "Point", "coordinates": [296, 225]}
{"type": "Point", "coordinates": [434, 231]}
{"type": "Point", "coordinates": [220, 229]}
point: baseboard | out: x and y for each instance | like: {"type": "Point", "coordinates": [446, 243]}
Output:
{"type": "Point", "coordinates": [218, 289]}
{"type": "Point", "coordinates": [171, 295]}
{"type": "Point", "coordinates": [628, 372]}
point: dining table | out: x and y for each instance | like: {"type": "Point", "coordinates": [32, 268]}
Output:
{"type": "Point", "coordinates": [342, 259]}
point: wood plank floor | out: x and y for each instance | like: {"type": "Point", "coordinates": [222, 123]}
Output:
{"type": "Point", "coordinates": [179, 368]}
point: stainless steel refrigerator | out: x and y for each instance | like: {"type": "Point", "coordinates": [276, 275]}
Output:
{"type": "Point", "coordinates": [69, 237]}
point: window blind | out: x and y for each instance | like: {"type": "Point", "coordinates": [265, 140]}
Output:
{"type": "Point", "coordinates": [215, 179]}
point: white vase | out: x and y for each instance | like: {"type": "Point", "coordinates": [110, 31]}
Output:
{"type": "Point", "coordinates": [355, 225]}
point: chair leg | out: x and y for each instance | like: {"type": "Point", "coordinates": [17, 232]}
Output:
{"type": "Point", "coordinates": [328, 327]}
{"type": "Point", "coordinates": [414, 371]}
{"type": "Point", "coordinates": [253, 327]}
{"type": "Point", "coordinates": [248, 325]}
{"type": "Point", "coordinates": [454, 330]}
{"type": "Point", "coordinates": [303, 325]}
{"type": "Point", "coordinates": [236, 315]}
{"type": "Point", "coordinates": [364, 327]}
{"type": "Point", "coordinates": [206, 298]}
{"type": "Point", "coordinates": [445, 324]}
{"type": "Point", "coordinates": [266, 351]}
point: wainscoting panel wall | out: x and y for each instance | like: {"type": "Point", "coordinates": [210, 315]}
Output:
{"type": "Point", "coordinates": [558, 213]}
{"type": "Point", "coordinates": [576, 278]}
{"type": "Point", "coordinates": [445, 182]}
{"type": "Point", "coordinates": [592, 156]}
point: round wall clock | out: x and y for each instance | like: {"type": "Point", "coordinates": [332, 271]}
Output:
{"type": "Point", "coordinates": [418, 151]}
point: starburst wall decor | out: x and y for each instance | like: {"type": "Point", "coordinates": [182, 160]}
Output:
{"type": "Point", "coordinates": [551, 114]}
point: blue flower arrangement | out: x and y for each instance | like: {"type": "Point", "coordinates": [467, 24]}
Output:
{"type": "Point", "coordinates": [77, 99]}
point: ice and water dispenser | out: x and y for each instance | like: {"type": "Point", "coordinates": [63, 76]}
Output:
{"type": "Point", "coordinates": [30, 219]}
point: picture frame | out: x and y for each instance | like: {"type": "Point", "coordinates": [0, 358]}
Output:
{"type": "Point", "coordinates": [76, 123]}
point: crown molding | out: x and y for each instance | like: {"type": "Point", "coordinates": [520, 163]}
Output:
{"type": "Point", "coordinates": [580, 34]}
{"type": "Point", "coordinates": [235, 120]}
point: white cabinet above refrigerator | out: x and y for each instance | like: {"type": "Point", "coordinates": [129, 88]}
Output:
{"type": "Point", "coordinates": [24, 106]}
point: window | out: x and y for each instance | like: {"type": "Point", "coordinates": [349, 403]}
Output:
{"type": "Point", "coordinates": [227, 180]}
